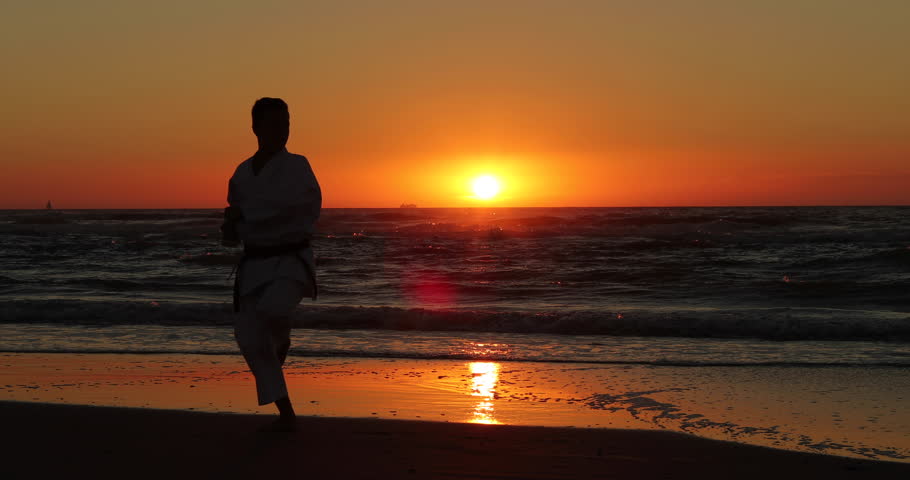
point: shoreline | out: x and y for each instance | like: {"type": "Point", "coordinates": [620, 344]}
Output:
{"type": "Point", "coordinates": [56, 440]}
{"type": "Point", "coordinates": [847, 412]}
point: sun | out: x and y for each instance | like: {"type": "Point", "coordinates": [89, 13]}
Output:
{"type": "Point", "coordinates": [485, 187]}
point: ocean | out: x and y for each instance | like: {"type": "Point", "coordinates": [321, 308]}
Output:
{"type": "Point", "coordinates": [802, 286]}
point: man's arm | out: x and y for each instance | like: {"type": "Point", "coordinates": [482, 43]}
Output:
{"type": "Point", "coordinates": [232, 215]}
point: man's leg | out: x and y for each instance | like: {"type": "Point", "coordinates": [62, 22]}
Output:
{"type": "Point", "coordinates": [272, 312]}
{"type": "Point", "coordinates": [280, 331]}
{"type": "Point", "coordinates": [254, 337]}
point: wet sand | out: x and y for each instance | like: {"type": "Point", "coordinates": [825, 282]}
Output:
{"type": "Point", "coordinates": [67, 441]}
{"type": "Point", "coordinates": [841, 411]}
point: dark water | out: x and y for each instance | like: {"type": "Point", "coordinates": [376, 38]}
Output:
{"type": "Point", "coordinates": [798, 274]}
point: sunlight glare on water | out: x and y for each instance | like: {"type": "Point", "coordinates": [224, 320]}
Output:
{"type": "Point", "coordinates": [485, 376]}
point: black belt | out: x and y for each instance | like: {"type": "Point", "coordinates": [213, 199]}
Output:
{"type": "Point", "coordinates": [252, 251]}
{"type": "Point", "coordinates": [265, 251]}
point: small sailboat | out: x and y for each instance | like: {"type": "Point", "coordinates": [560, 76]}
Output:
{"type": "Point", "coordinates": [49, 206]}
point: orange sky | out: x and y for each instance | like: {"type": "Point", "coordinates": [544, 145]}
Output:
{"type": "Point", "coordinates": [594, 103]}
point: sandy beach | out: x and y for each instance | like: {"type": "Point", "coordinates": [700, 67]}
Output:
{"type": "Point", "coordinates": [195, 415]}
{"type": "Point", "coordinates": [61, 441]}
{"type": "Point", "coordinates": [839, 411]}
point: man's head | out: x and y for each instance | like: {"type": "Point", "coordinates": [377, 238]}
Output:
{"type": "Point", "coordinates": [271, 123]}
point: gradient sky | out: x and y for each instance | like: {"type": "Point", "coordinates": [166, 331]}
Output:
{"type": "Point", "coordinates": [143, 104]}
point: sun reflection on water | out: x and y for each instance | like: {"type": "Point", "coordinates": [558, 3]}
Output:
{"type": "Point", "coordinates": [484, 375]}
{"type": "Point", "coordinates": [481, 350]}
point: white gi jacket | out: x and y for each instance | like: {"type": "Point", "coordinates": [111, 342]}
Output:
{"type": "Point", "coordinates": [280, 206]}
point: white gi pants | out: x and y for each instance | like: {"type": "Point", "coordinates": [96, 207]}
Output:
{"type": "Point", "coordinates": [262, 329]}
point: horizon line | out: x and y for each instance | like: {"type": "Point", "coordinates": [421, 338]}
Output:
{"type": "Point", "coordinates": [864, 205]}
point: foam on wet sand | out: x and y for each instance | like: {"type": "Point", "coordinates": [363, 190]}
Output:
{"type": "Point", "coordinates": [854, 412]}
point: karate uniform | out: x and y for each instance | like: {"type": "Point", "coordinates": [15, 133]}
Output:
{"type": "Point", "coordinates": [279, 208]}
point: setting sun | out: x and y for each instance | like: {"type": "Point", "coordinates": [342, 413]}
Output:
{"type": "Point", "coordinates": [486, 187]}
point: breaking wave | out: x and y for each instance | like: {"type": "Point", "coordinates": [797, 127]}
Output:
{"type": "Point", "coordinates": [768, 324]}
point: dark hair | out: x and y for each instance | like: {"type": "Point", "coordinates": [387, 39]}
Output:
{"type": "Point", "coordinates": [268, 104]}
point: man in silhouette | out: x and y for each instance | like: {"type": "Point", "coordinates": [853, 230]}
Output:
{"type": "Point", "coordinates": [274, 201]}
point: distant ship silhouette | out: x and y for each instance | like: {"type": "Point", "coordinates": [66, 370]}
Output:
{"type": "Point", "coordinates": [408, 205]}
{"type": "Point", "coordinates": [49, 206]}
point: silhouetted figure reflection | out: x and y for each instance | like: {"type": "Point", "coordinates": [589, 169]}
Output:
{"type": "Point", "coordinates": [274, 201]}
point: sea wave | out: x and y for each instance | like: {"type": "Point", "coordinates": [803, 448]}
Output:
{"type": "Point", "coordinates": [768, 324]}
